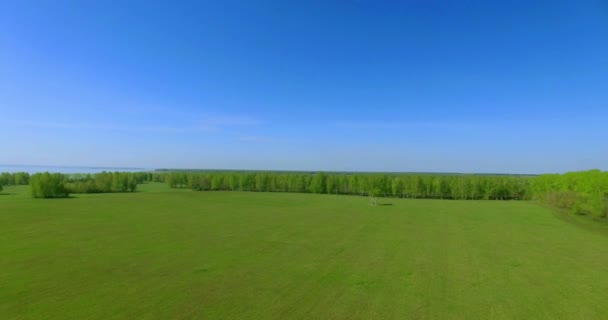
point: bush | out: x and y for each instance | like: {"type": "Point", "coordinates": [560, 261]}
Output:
{"type": "Point", "coordinates": [103, 182]}
{"type": "Point", "coordinates": [47, 185]}
{"type": "Point", "coordinates": [562, 199]}
{"type": "Point", "coordinates": [583, 193]}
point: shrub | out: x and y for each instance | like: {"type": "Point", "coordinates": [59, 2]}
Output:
{"type": "Point", "coordinates": [103, 182]}
{"type": "Point", "coordinates": [47, 185]}
{"type": "Point", "coordinates": [562, 199]}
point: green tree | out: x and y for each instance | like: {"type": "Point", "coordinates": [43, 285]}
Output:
{"type": "Point", "coordinates": [318, 183]}
{"type": "Point", "coordinates": [397, 186]}
{"type": "Point", "coordinates": [6, 179]}
{"type": "Point", "coordinates": [200, 182]}
{"type": "Point", "coordinates": [262, 182]}
{"type": "Point", "coordinates": [332, 184]}
{"type": "Point", "coordinates": [47, 185]}
{"type": "Point", "coordinates": [21, 178]}
{"type": "Point", "coordinates": [233, 182]}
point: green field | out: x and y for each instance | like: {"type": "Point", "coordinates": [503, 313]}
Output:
{"type": "Point", "coordinates": [177, 254]}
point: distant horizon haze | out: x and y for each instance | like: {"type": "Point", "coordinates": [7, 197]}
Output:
{"type": "Point", "coordinates": [11, 168]}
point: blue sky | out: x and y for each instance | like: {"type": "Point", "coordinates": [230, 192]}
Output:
{"type": "Point", "coordinates": [460, 86]}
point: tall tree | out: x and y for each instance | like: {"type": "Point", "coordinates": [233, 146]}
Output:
{"type": "Point", "coordinates": [318, 183]}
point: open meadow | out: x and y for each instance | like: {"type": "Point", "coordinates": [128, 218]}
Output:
{"type": "Point", "coordinates": [313, 160]}
{"type": "Point", "coordinates": [163, 253]}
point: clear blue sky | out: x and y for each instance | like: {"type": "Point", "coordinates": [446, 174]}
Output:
{"type": "Point", "coordinates": [464, 86]}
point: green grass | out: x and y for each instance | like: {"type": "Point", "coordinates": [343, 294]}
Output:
{"type": "Point", "coordinates": [177, 254]}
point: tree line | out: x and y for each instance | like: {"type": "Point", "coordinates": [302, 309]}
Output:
{"type": "Point", "coordinates": [57, 185]}
{"type": "Point", "coordinates": [104, 182]}
{"type": "Point", "coordinates": [15, 178]}
{"type": "Point", "coordinates": [463, 187]}
{"type": "Point", "coordinates": [584, 192]}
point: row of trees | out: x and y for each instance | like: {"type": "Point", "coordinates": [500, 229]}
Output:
{"type": "Point", "coordinates": [583, 192]}
{"type": "Point", "coordinates": [57, 185]}
{"type": "Point", "coordinates": [104, 182]}
{"type": "Point", "coordinates": [383, 185]}
{"type": "Point", "coordinates": [15, 178]}
{"type": "Point", "coordinates": [579, 192]}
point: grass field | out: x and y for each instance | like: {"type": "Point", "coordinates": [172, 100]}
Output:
{"type": "Point", "coordinates": [177, 254]}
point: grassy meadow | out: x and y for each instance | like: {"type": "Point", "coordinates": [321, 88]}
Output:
{"type": "Point", "coordinates": [163, 253]}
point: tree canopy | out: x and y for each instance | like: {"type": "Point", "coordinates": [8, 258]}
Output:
{"type": "Point", "coordinates": [48, 185]}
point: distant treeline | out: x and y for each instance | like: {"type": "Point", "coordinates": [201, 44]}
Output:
{"type": "Point", "coordinates": [57, 185]}
{"type": "Point", "coordinates": [579, 192]}
{"type": "Point", "coordinates": [104, 182]}
{"type": "Point", "coordinates": [463, 187]}
{"type": "Point", "coordinates": [15, 178]}
{"type": "Point", "coordinates": [583, 192]}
